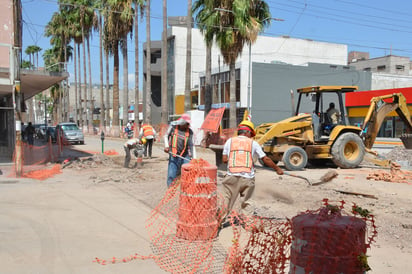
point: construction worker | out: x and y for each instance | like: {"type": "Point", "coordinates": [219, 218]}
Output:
{"type": "Point", "coordinates": [179, 144]}
{"type": "Point", "coordinates": [129, 145]}
{"type": "Point", "coordinates": [29, 133]}
{"type": "Point", "coordinates": [333, 114]}
{"type": "Point", "coordinates": [238, 153]}
{"type": "Point", "coordinates": [149, 133]}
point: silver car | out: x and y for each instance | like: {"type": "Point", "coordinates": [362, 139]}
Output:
{"type": "Point", "coordinates": [70, 132]}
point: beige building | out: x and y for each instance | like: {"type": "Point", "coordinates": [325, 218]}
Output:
{"type": "Point", "coordinates": [16, 85]}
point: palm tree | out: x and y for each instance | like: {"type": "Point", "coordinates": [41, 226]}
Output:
{"type": "Point", "coordinates": [204, 10]}
{"type": "Point", "coordinates": [127, 17]}
{"type": "Point", "coordinates": [237, 22]}
{"type": "Point", "coordinates": [138, 5]}
{"type": "Point", "coordinates": [188, 101]}
{"type": "Point", "coordinates": [58, 30]}
{"type": "Point", "coordinates": [148, 117]}
{"type": "Point", "coordinates": [116, 25]}
{"type": "Point", "coordinates": [33, 52]}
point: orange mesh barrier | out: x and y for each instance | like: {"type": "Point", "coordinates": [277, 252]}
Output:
{"type": "Point", "coordinates": [329, 240]}
{"type": "Point", "coordinates": [43, 174]}
{"type": "Point", "coordinates": [111, 152]}
{"type": "Point", "coordinates": [33, 159]}
{"type": "Point", "coordinates": [183, 231]}
{"type": "Point", "coordinates": [161, 130]}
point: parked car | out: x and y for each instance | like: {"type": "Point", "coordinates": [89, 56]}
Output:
{"type": "Point", "coordinates": [40, 131]}
{"type": "Point", "coordinates": [70, 133]}
{"type": "Point", "coordinates": [51, 133]}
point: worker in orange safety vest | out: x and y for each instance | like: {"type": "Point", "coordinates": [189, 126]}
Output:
{"type": "Point", "coordinates": [238, 153]}
{"type": "Point", "coordinates": [149, 133]}
{"type": "Point", "coordinates": [179, 145]}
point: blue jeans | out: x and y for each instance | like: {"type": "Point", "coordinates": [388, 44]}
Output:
{"type": "Point", "coordinates": [174, 168]}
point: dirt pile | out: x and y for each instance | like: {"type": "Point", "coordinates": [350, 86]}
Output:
{"type": "Point", "coordinates": [399, 154]}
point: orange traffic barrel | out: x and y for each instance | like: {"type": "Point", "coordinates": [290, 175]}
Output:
{"type": "Point", "coordinates": [326, 243]}
{"type": "Point", "coordinates": [197, 213]}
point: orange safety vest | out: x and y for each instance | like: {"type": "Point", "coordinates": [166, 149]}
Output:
{"type": "Point", "coordinates": [175, 138]}
{"type": "Point", "coordinates": [240, 155]}
{"type": "Point", "coordinates": [147, 130]}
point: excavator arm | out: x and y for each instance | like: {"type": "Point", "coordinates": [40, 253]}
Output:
{"type": "Point", "coordinates": [378, 111]}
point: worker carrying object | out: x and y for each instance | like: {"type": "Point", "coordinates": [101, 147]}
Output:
{"type": "Point", "coordinates": [238, 153]}
{"type": "Point", "coordinates": [179, 144]}
{"type": "Point", "coordinates": [129, 145]}
{"type": "Point", "coordinates": [149, 133]}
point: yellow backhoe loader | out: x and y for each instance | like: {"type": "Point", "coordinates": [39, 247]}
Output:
{"type": "Point", "coordinates": [311, 137]}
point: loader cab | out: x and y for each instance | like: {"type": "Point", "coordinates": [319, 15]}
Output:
{"type": "Point", "coordinates": [316, 100]}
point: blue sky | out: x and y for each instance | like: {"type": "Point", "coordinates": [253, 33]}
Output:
{"type": "Point", "coordinates": [378, 27]}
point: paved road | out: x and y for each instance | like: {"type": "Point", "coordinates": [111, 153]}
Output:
{"type": "Point", "coordinates": [61, 224]}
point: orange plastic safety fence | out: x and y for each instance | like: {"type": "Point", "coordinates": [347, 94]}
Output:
{"type": "Point", "coordinates": [331, 240]}
{"type": "Point", "coordinates": [184, 227]}
{"type": "Point", "coordinates": [32, 160]}
{"type": "Point", "coordinates": [111, 152]}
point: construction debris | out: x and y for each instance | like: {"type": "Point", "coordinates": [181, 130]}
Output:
{"type": "Point", "coordinates": [396, 175]}
{"type": "Point", "coordinates": [356, 193]}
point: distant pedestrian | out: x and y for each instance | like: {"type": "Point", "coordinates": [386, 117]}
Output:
{"type": "Point", "coordinates": [149, 133]}
{"type": "Point", "coordinates": [179, 144]}
{"type": "Point", "coordinates": [129, 145]}
{"type": "Point", "coordinates": [29, 133]}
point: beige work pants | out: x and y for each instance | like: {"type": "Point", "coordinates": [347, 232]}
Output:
{"type": "Point", "coordinates": [233, 186]}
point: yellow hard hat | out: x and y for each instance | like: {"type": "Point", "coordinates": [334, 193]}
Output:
{"type": "Point", "coordinates": [143, 140]}
{"type": "Point", "coordinates": [248, 124]}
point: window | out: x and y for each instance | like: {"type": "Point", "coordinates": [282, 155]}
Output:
{"type": "Point", "coordinates": [381, 68]}
{"type": "Point", "coordinates": [367, 69]}
{"type": "Point", "coordinates": [400, 67]}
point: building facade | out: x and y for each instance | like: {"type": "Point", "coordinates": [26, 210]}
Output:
{"type": "Point", "coordinates": [267, 50]}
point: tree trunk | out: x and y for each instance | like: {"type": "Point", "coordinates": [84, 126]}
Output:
{"type": "Point", "coordinates": [136, 61]}
{"type": "Point", "coordinates": [86, 92]}
{"type": "Point", "coordinates": [80, 87]}
{"type": "Point", "coordinates": [148, 114]}
{"type": "Point", "coordinates": [107, 110]}
{"type": "Point", "coordinates": [115, 122]}
{"type": "Point", "coordinates": [125, 82]}
{"type": "Point", "coordinates": [165, 108]}
{"type": "Point", "coordinates": [232, 112]}
{"type": "Point", "coordinates": [76, 103]}
{"type": "Point", "coordinates": [188, 74]}
{"type": "Point", "coordinates": [91, 101]}
{"type": "Point", "coordinates": [102, 106]}
{"type": "Point", "coordinates": [208, 87]}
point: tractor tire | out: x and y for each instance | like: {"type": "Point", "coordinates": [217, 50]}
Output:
{"type": "Point", "coordinates": [295, 158]}
{"type": "Point", "coordinates": [348, 150]}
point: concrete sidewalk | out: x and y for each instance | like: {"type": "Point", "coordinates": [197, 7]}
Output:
{"type": "Point", "coordinates": [60, 225]}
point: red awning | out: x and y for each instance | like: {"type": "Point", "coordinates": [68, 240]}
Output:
{"type": "Point", "coordinates": [363, 98]}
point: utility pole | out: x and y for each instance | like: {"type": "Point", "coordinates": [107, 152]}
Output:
{"type": "Point", "coordinates": [17, 95]}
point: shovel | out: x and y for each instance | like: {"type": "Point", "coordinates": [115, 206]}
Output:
{"type": "Point", "coordinates": [297, 176]}
{"type": "Point", "coordinates": [327, 177]}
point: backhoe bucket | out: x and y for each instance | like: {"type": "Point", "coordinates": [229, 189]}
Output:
{"type": "Point", "coordinates": [406, 140]}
